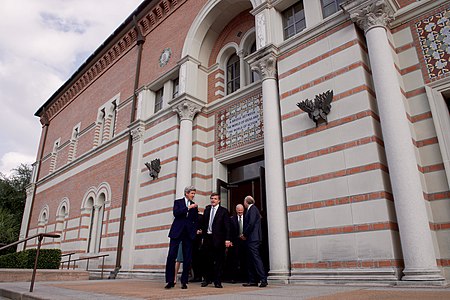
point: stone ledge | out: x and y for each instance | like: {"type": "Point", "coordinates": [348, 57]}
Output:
{"type": "Point", "coordinates": [14, 275]}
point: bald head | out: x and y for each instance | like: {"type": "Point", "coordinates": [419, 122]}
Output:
{"type": "Point", "coordinates": [239, 209]}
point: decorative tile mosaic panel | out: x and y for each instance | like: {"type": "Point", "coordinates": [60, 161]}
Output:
{"type": "Point", "coordinates": [434, 37]}
{"type": "Point", "coordinates": [239, 124]}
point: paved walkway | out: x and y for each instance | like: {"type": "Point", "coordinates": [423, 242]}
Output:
{"type": "Point", "coordinates": [122, 289]}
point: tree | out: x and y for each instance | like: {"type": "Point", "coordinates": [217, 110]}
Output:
{"type": "Point", "coordinates": [12, 202]}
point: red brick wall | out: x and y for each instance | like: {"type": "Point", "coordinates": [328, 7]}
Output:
{"type": "Point", "coordinates": [404, 3]}
{"type": "Point", "coordinates": [241, 23]}
{"type": "Point", "coordinates": [171, 33]}
{"type": "Point", "coordinates": [110, 171]}
{"type": "Point", "coordinates": [84, 108]}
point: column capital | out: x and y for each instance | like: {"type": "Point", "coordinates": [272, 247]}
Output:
{"type": "Point", "coordinates": [368, 14]}
{"type": "Point", "coordinates": [242, 53]}
{"type": "Point", "coordinates": [187, 110]}
{"type": "Point", "coordinates": [266, 66]}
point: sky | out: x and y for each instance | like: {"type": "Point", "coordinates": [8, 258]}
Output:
{"type": "Point", "coordinates": [42, 43]}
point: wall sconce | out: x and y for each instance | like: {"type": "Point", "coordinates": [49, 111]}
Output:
{"type": "Point", "coordinates": [320, 108]}
{"type": "Point", "coordinates": [154, 167]}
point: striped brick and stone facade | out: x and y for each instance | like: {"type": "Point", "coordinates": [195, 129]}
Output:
{"type": "Point", "coordinates": [363, 197]}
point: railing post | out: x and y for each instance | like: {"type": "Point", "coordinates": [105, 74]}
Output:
{"type": "Point", "coordinates": [68, 264]}
{"type": "Point", "coordinates": [33, 277]}
{"type": "Point", "coordinates": [103, 264]}
{"type": "Point", "coordinates": [87, 265]}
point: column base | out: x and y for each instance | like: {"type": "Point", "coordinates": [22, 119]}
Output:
{"type": "Point", "coordinates": [433, 274]}
{"type": "Point", "coordinates": [279, 276]}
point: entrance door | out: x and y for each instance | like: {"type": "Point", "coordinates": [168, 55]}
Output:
{"type": "Point", "coordinates": [246, 178]}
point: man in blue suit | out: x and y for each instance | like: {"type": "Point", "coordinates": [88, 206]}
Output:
{"type": "Point", "coordinates": [183, 229]}
{"type": "Point", "coordinates": [252, 234]}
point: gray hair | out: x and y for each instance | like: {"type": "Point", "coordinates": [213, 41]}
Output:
{"type": "Point", "coordinates": [189, 189]}
{"type": "Point", "coordinates": [249, 200]}
{"type": "Point", "coordinates": [239, 205]}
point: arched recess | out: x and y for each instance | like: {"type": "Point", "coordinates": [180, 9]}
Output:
{"type": "Point", "coordinates": [95, 200]}
{"type": "Point", "coordinates": [209, 23]}
{"type": "Point", "coordinates": [62, 213]}
{"type": "Point", "coordinates": [225, 53]}
{"type": "Point", "coordinates": [43, 219]}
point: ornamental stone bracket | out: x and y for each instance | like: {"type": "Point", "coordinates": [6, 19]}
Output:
{"type": "Point", "coordinates": [137, 133]}
{"type": "Point", "coordinates": [368, 14]}
{"type": "Point", "coordinates": [187, 109]}
{"type": "Point", "coordinates": [265, 62]}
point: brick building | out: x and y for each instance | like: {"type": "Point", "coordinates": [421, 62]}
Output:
{"type": "Point", "coordinates": [359, 192]}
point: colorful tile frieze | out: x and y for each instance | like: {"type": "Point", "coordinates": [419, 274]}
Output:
{"type": "Point", "coordinates": [434, 38]}
{"type": "Point", "coordinates": [239, 124]}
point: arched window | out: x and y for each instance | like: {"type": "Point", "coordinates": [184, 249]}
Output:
{"type": "Point", "coordinates": [97, 208]}
{"type": "Point", "coordinates": [233, 74]}
{"type": "Point", "coordinates": [43, 220]}
{"type": "Point", "coordinates": [113, 118]}
{"type": "Point", "coordinates": [90, 205]}
{"type": "Point", "coordinates": [61, 217]}
{"type": "Point", "coordinates": [254, 75]}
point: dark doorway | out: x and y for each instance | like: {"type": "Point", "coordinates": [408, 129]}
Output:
{"type": "Point", "coordinates": [247, 178]}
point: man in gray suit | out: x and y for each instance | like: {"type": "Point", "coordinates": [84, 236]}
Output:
{"type": "Point", "coordinates": [252, 234]}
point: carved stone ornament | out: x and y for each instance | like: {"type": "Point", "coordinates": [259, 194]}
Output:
{"type": "Point", "coordinates": [137, 134]}
{"type": "Point", "coordinates": [375, 14]}
{"type": "Point", "coordinates": [261, 30]}
{"type": "Point", "coordinates": [154, 167]}
{"type": "Point", "coordinates": [319, 109]}
{"type": "Point", "coordinates": [187, 110]}
{"type": "Point", "coordinates": [267, 67]}
{"type": "Point", "coordinates": [165, 57]}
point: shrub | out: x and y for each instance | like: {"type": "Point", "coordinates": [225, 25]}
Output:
{"type": "Point", "coordinates": [48, 259]}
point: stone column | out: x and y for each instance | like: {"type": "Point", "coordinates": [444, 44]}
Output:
{"type": "Point", "coordinates": [274, 165]}
{"type": "Point", "coordinates": [93, 243]}
{"type": "Point", "coordinates": [186, 111]}
{"type": "Point", "coordinates": [242, 69]}
{"type": "Point", "coordinates": [417, 245]}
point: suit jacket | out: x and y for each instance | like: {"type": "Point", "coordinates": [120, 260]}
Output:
{"type": "Point", "coordinates": [234, 228]}
{"type": "Point", "coordinates": [184, 219]}
{"type": "Point", "coordinates": [220, 225]}
{"type": "Point", "coordinates": [252, 225]}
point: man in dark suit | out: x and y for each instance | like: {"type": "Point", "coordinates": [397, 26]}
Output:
{"type": "Point", "coordinates": [238, 253]}
{"type": "Point", "coordinates": [183, 229]}
{"type": "Point", "coordinates": [253, 236]}
{"type": "Point", "coordinates": [216, 237]}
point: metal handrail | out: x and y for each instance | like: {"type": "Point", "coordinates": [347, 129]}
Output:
{"type": "Point", "coordinates": [40, 237]}
{"type": "Point", "coordinates": [67, 261]}
{"type": "Point", "coordinates": [87, 263]}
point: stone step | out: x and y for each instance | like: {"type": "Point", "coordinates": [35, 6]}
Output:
{"type": "Point", "coordinates": [15, 275]}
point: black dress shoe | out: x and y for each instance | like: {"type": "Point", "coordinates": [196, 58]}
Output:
{"type": "Point", "coordinates": [169, 285]}
{"type": "Point", "coordinates": [183, 286]}
{"type": "Point", "coordinates": [205, 283]}
{"type": "Point", "coordinates": [263, 284]}
{"type": "Point", "coordinates": [250, 284]}
{"type": "Point", "coordinates": [218, 285]}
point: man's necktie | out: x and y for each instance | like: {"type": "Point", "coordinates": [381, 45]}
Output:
{"type": "Point", "coordinates": [241, 226]}
{"type": "Point", "coordinates": [211, 219]}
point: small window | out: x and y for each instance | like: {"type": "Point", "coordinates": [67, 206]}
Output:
{"type": "Point", "coordinates": [114, 118]}
{"type": "Point", "coordinates": [233, 74]}
{"type": "Point", "coordinates": [176, 88]}
{"type": "Point", "coordinates": [159, 99]}
{"type": "Point", "coordinates": [330, 7]}
{"type": "Point", "coordinates": [294, 20]}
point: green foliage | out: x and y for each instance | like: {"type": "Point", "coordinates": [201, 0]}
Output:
{"type": "Point", "coordinates": [12, 202]}
{"type": "Point", "coordinates": [48, 259]}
